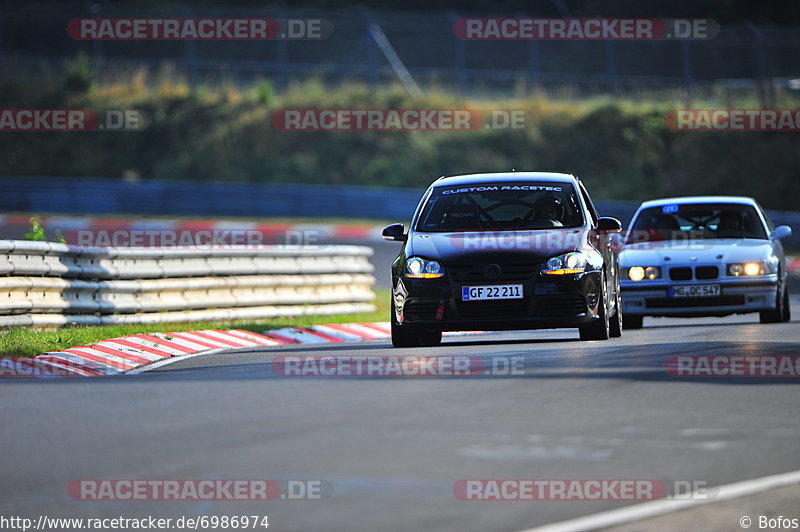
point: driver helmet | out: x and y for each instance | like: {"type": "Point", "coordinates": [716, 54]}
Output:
{"type": "Point", "coordinates": [549, 207]}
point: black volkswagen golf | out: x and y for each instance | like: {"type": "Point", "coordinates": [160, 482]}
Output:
{"type": "Point", "coordinates": [506, 251]}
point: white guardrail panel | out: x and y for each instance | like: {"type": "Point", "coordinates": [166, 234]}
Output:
{"type": "Point", "coordinates": [61, 260]}
{"type": "Point", "coordinates": [51, 284]}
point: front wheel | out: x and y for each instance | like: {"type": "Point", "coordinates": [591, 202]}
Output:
{"type": "Point", "coordinates": [781, 312]}
{"type": "Point", "coordinates": [787, 308]}
{"type": "Point", "coordinates": [600, 328]}
{"type": "Point", "coordinates": [405, 336]}
{"type": "Point", "coordinates": [615, 330]}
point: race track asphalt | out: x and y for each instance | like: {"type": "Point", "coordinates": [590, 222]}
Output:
{"type": "Point", "coordinates": [391, 449]}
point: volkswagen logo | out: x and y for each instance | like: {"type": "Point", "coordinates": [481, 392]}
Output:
{"type": "Point", "coordinates": [492, 271]}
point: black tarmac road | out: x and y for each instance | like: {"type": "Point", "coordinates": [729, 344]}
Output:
{"type": "Point", "coordinates": [390, 450]}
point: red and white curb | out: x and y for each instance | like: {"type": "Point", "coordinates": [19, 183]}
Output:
{"type": "Point", "coordinates": [128, 353]}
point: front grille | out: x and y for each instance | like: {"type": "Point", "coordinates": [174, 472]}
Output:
{"type": "Point", "coordinates": [509, 272]}
{"type": "Point", "coordinates": [680, 302]}
{"type": "Point", "coordinates": [683, 273]}
{"type": "Point", "coordinates": [560, 305]}
{"type": "Point", "coordinates": [706, 272]}
{"type": "Point", "coordinates": [417, 310]}
{"type": "Point", "coordinates": [492, 310]}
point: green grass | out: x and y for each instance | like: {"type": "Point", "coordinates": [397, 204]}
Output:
{"type": "Point", "coordinates": [27, 342]}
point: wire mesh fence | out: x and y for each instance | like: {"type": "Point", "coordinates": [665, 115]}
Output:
{"type": "Point", "coordinates": [761, 59]}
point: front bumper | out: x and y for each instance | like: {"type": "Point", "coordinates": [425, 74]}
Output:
{"type": "Point", "coordinates": [737, 296]}
{"type": "Point", "coordinates": [563, 301]}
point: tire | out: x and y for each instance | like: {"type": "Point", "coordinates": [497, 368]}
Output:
{"type": "Point", "coordinates": [403, 337]}
{"type": "Point", "coordinates": [632, 321]}
{"type": "Point", "coordinates": [787, 307]}
{"type": "Point", "coordinates": [600, 328]}
{"type": "Point", "coordinates": [615, 326]}
{"type": "Point", "coordinates": [430, 338]}
{"type": "Point", "coordinates": [776, 315]}
{"type": "Point", "coordinates": [414, 337]}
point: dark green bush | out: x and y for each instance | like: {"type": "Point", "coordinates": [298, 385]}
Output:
{"type": "Point", "coordinates": [78, 75]}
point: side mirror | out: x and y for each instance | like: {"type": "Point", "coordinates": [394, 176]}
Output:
{"type": "Point", "coordinates": [609, 225]}
{"type": "Point", "coordinates": [395, 232]}
{"type": "Point", "coordinates": [782, 231]}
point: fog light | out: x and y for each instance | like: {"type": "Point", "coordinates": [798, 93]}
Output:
{"type": "Point", "coordinates": [651, 272]}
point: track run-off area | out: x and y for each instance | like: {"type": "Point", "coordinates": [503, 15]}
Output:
{"type": "Point", "coordinates": [391, 449]}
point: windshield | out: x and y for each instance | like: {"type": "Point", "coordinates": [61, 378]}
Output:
{"type": "Point", "coordinates": [697, 221]}
{"type": "Point", "coordinates": [501, 206]}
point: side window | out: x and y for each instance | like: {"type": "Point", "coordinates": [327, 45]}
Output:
{"type": "Point", "coordinates": [588, 201]}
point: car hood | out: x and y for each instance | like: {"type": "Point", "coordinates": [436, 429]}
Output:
{"type": "Point", "coordinates": [491, 246]}
{"type": "Point", "coordinates": [712, 251]}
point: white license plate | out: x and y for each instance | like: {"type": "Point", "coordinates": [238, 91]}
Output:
{"type": "Point", "coordinates": [498, 291]}
{"type": "Point", "coordinates": [701, 290]}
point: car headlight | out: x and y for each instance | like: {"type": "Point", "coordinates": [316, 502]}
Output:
{"type": "Point", "coordinates": [637, 273]}
{"type": "Point", "coordinates": [417, 268]}
{"type": "Point", "coordinates": [749, 268]}
{"type": "Point", "coordinates": [565, 264]}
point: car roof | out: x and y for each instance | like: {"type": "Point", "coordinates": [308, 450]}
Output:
{"type": "Point", "coordinates": [473, 179]}
{"type": "Point", "coordinates": [688, 200]}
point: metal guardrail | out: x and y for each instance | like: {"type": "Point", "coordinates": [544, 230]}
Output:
{"type": "Point", "coordinates": [52, 284]}
{"type": "Point", "coordinates": [198, 198]}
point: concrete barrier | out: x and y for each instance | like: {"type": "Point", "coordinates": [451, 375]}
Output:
{"type": "Point", "coordinates": [50, 284]}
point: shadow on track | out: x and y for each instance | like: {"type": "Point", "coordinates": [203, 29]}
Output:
{"type": "Point", "coordinates": [552, 359]}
